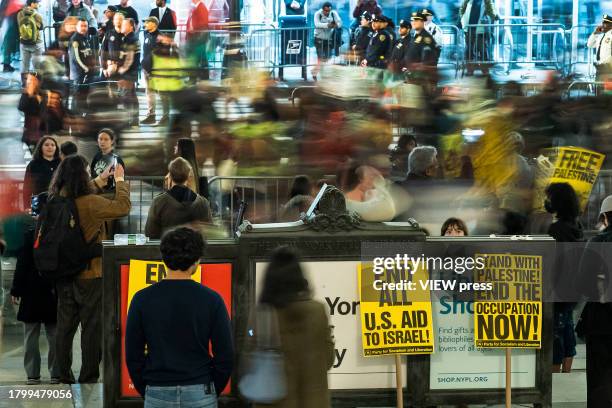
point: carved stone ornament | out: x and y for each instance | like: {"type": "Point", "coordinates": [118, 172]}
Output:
{"type": "Point", "coordinates": [332, 215]}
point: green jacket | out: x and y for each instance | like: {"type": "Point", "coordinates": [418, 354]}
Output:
{"type": "Point", "coordinates": [27, 12]}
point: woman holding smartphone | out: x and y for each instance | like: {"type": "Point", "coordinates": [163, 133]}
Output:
{"type": "Point", "coordinates": [106, 156]}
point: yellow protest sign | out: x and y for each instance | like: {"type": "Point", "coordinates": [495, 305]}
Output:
{"type": "Point", "coordinates": [510, 314]}
{"type": "Point", "coordinates": [146, 273]}
{"type": "Point", "coordinates": [396, 315]}
{"type": "Point", "coordinates": [579, 168]}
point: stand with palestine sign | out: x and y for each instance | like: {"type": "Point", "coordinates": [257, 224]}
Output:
{"type": "Point", "coordinates": [510, 315]}
{"type": "Point", "coordinates": [396, 315]}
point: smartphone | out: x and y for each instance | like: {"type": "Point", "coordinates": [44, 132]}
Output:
{"type": "Point", "coordinates": [34, 205]}
{"type": "Point", "coordinates": [472, 135]}
{"type": "Point", "coordinates": [114, 162]}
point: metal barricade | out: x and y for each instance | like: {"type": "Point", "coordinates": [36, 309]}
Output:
{"type": "Point", "coordinates": [143, 189]}
{"type": "Point", "coordinates": [578, 89]}
{"type": "Point", "coordinates": [581, 58]}
{"type": "Point", "coordinates": [453, 47]}
{"type": "Point", "coordinates": [515, 46]}
{"type": "Point", "coordinates": [275, 49]}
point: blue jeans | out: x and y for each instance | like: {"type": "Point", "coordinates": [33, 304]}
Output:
{"type": "Point", "coordinates": [191, 396]}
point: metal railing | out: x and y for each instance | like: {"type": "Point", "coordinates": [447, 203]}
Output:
{"type": "Point", "coordinates": [578, 89]}
{"type": "Point", "coordinates": [279, 48]}
{"type": "Point", "coordinates": [515, 45]}
{"type": "Point", "coordinates": [453, 47]}
{"type": "Point", "coordinates": [581, 58]}
{"type": "Point", "coordinates": [143, 189]}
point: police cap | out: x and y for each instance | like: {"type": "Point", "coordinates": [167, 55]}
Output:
{"type": "Point", "coordinates": [366, 14]}
{"type": "Point", "coordinates": [405, 24]}
{"type": "Point", "coordinates": [607, 18]}
{"type": "Point", "coordinates": [417, 15]}
{"type": "Point", "coordinates": [379, 19]}
{"type": "Point", "coordinates": [427, 12]}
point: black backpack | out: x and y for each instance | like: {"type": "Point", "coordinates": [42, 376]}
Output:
{"type": "Point", "coordinates": [60, 249]}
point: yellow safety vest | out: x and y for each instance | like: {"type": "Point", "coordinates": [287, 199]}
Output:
{"type": "Point", "coordinates": [168, 74]}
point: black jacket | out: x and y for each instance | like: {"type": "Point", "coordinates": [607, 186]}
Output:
{"type": "Point", "coordinates": [398, 54]}
{"type": "Point", "coordinates": [38, 299]}
{"type": "Point", "coordinates": [422, 48]}
{"type": "Point", "coordinates": [150, 41]}
{"type": "Point", "coordinates": [379, 49]}
{"type": "Point", "coordinates": [38, 175]}
{"type": "Point", "coordinates": [167, 22]}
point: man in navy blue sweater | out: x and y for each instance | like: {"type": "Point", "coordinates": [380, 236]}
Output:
{"type": "Point", "coordinates": [176, 319]}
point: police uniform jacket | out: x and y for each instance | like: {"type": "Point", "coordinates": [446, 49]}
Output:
{"type": "Point", "coordinates": [602, 42]}
{"type": "Point", "coordinates": [82, 58]}
{"type": "Point", "coordinates": [399, 53]}
{"type": "Point", "coordinates": [130, 56]}
{"type": "Point", "coordinates": [421, 48]}
{"type": "Point", "coordinates": [379, 48]}
{"type": "Point", "coordinates": [362, 38]}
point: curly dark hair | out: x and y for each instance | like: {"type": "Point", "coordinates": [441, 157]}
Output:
{"type": "Point", "coordinates": [284, 281]}
{"type": "Point", "coordinates": [181, 247]}
{"type": "Point", "coordinates": [301, 186]}
{"type": "Point", "coordinates": [454, 222]}
{"type": "Point", "coordinates": [37, 155]}
{"type": "Point", "coordinates": [71, 179]}
{"type": "Point", "coordinates": [563, 201]}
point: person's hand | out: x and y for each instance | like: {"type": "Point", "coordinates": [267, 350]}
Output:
{"type": "Point", "coordinates": [106, 173]}
{"type": "Point", "coordinates": [15, 300]}
{"type": "Point", "coordinates": [119, 171]}
{"type": "Point", "coordinates": [121, 71]}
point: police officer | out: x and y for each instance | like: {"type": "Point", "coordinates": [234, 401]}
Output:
{"type": "Point", "coordinates": [363, 33]}
{"type": "Point", "coordinates": [82, 63]}
{"type": "Point", "coordinates": [435, 31]}
{"type": "Point", "coordinates": [379, 46]}
{"type": "Point", "coordinates": [422, 47]}
{"type": "Point", "coordinates": [129, 67]}
{"type": "Point", "coordinates": [601, 40]}
{"type": "Point", "coordinates": [400, 48]}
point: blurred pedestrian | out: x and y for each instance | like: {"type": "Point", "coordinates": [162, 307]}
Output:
{"type": "Point", "coordinates": [151, 34]}
{"type": "Point", "coordinates": [40, 169]}
{"type": "Point", "coordinates": [562, 202]}
{"type": "Point", "coordinates": [128, 69]}
{"type": "Point", "coordinates": [32, 104]}
{"type": "Point", "coordinates": [81, 10]}
{"type": "Point", "coordinates": [105, 157]}
{"type": "Point", "coordinates": [475, 15]}
{"type": "Point", "coordinates": [300, 199]}
{"type": "Point", "coordinates": [368, 194]}
{"type": "Point", "coordinates": [37, 307]}
{"type": "Point", "coordinates": [30, 37]}
{"type": "Point", "coordinates": [178, 337]}
{"type": "Point", "coordinates": [601, 40]}
{"type": "Point", "coordinates": [10, 42]}
{"type": "Point", "coordinates": [197, 38]}
{"type": "Point", "coordinates": [399, 155]}
{"type": "Point", "coordinates": [454, 227]}
{"type": "Point", "coordinates": [80, 298]}
{"type": "Point", "coordinates": [166, 17]}
{"type": "Point", "coordinates": [306, 339]}
{"type": "Point", "coordinates": [179, 206]}
{"type": "Point", "coordinates": [326, 22]}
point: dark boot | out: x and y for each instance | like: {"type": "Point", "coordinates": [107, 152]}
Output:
{"type": "Point", "coordinates": [149, 120]}
{"type": "Point", "coordinates": [8, 68]}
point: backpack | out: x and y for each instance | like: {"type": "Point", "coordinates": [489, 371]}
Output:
{"type": "Point", "coordinates": [28, 29]}
{"type": "Point", "coordinates": [60, 249]}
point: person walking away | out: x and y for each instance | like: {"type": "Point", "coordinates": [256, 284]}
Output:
{"type": "Point", "coordinates": [105, 157]}
{"type": "Point", "coordinates": [562, 202]}
{"type": "Point", "coordinates": [166, 17]}
{"type": "Point", "coordinates": [80, 298]}
{"type": "Point", "coordinates": [601, 41]}
{"type": "Point", "coordinates": [477, 39]}
{"type": "Point", "coordinates": [400, 48]}
{"type": "Point", "coordinates": [379, 46]}
{"type": "Point", "coordinates": [40, 169]}
{"type": "Point", "coordinates": [129, 67]}
{"type": "Point", "coordinates": [37, 307]}
{"type": "Point", "coordinates": [82, 65]}
{"type": "Point", "coordinates": [362, 36]}
{"type": "Point", "coordinates": [182, 352]}
{"type": "Point", "coordinates": [151, 33]}
{"type": "Point", "coordinates": [10, 43]}
{"type": "Point", "coordinates": [435, 31]}
{"type": "Point", "coordinates": [326, 21]}
{"type": "Point", "coordinates": [179, 205]}
{"type": "Point", "coordinates": [30, 37]}
{"type": "Point", "coordinates": [197, 38]}
{"type": "Point", "coordinates": [305, 334]}
{"type": "Point", "coordinates": [81, 10]}
{"type": "Point", "coordinates": [595, 323]}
